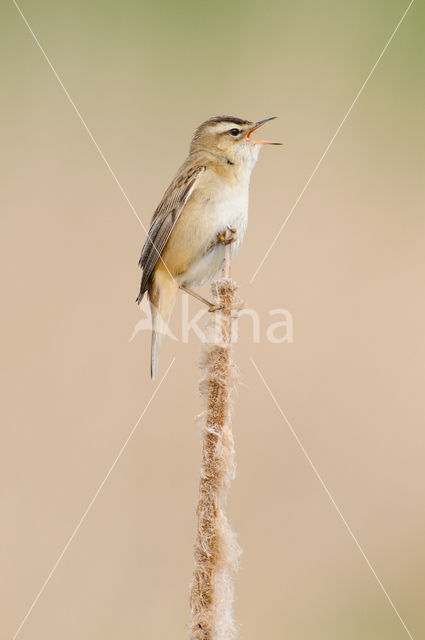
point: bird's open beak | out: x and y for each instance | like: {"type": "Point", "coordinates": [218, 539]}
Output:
{"type": "Point", "coordinates": [257, 126]}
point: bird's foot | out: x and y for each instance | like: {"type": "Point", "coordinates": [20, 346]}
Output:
{"type": "Point", "coordinates": [210, 305]}
{"type": "Point", "coordinates": [213, 307]}
{"type": "Point", "coordinates": [232, 309]}
{"type": "Point", "coordinates": [227, 237]}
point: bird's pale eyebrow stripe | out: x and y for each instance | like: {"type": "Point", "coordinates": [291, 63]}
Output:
{"type": "Point", "coordinates": [223, 127]}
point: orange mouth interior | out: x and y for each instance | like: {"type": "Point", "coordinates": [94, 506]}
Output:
{"type": "Point", "coordinates": [257, 126]}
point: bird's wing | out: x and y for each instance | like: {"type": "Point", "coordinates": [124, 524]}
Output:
{"type": "Point", "coordinates": [164, 219]}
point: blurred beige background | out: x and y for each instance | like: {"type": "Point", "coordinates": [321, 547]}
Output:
{"type": "Point", "coordinates": [349, 266]}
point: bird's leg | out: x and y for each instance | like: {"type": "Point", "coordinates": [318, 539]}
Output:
{"type": "Point", "coordinates": [210, 305]}
{"type": "Point", "coordinates": [227, 237]}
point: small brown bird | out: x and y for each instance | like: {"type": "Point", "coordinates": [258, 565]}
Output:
{"type": "Point", "coordinates": [204, 208]}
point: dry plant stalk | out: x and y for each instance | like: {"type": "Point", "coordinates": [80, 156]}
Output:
{"type": "Point", "coordinates": [216, 549]}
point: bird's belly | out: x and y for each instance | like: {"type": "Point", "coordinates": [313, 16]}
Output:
{"type": "Point", "coordinates": [204, 269]}
{"type": "Point", "coordinates": [215, 218]}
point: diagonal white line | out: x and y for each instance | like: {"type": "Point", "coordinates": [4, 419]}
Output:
{"type": "Point", "coordinates": [341, 124]}
{"type": "Point", "coordinates": [91, 136]}
{"type": "Point", "coordinates": [91, 503]}
{"type": "Point", "coordinates": [328, 493]}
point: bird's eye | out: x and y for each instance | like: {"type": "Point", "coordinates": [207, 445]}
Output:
{"type": "Point", "coordinates": [234, 132]}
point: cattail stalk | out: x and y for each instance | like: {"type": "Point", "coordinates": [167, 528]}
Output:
{"type": "Point", "coordinates": [216, 549]}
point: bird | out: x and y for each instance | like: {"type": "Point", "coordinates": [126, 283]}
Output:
{"type": "Point", "coordinates": [204, 208]}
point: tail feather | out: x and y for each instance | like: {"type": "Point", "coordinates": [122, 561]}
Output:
{"type": "Point", "coordinates": [156, 340]}
{"type": "Point", "coordinates": [154, 354]}
{"type": "Point", "coordinates": [162, 296]}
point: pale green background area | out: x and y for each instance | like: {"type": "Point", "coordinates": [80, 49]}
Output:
{"type": "Point", "coordinates": [349, 266]}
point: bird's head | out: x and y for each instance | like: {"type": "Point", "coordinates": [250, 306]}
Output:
{"type": "Point", "coordinates": [230, 138]}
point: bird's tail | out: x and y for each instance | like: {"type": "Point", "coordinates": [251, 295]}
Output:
{"type": "Point", "coordinates": [162, 295]}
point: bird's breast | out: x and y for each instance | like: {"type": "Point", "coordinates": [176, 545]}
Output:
{"type": "Point", "coordinates": [208, 216]}
{"type": "Point", "coordinates": [193, 251]}
{"type": "Point", "coordinates": [224, 206]}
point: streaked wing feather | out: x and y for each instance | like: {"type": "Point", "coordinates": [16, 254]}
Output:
{"type": "Point", "coordinates": [164, 219]}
